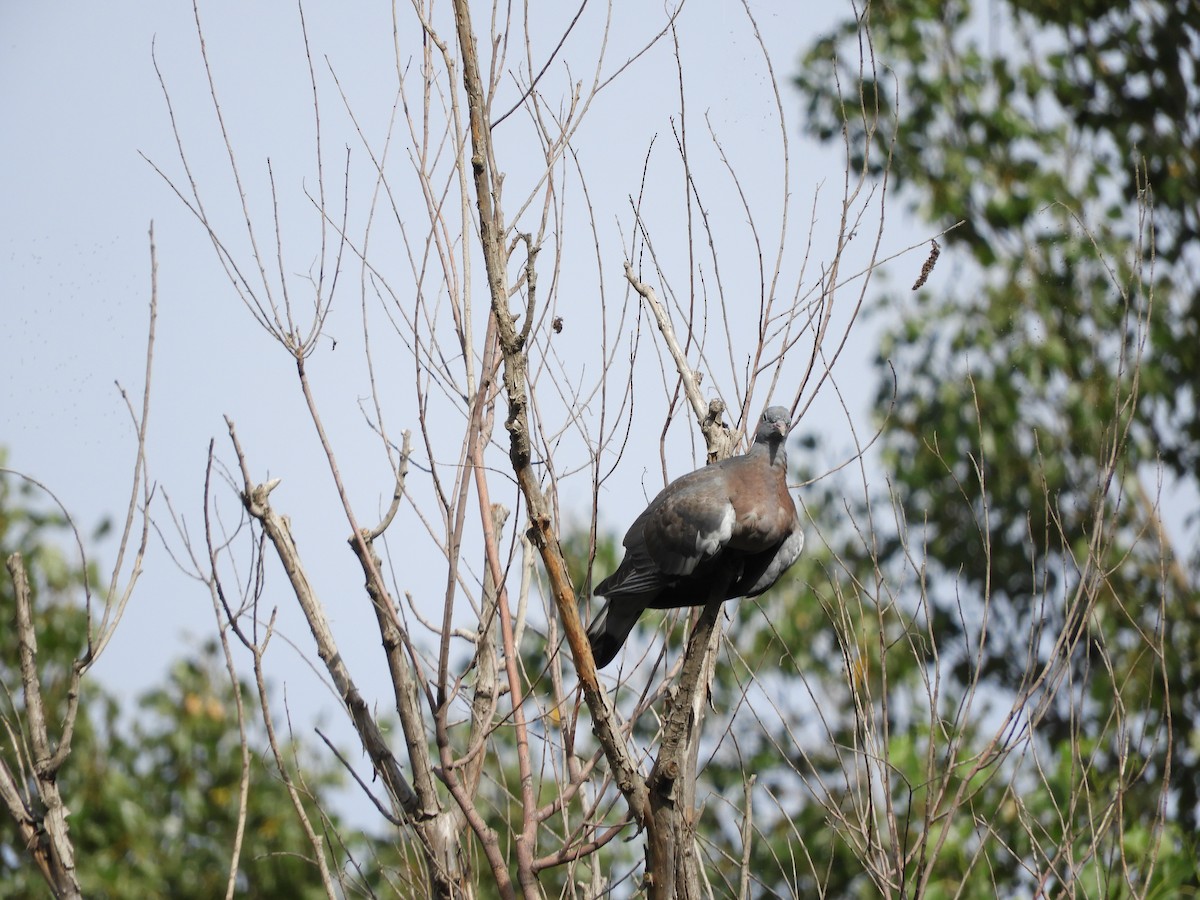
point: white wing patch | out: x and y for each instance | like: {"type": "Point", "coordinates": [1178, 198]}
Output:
{"type": "Point", "coordinates": [685, 532]}
{"type": "Point", "coordinates": [710, 543]}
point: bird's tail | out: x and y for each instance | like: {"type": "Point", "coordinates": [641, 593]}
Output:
{"type": "Point", "coordinates": [609, 629]}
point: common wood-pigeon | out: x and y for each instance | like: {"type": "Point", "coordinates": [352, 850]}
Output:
{"type": "Point", "coordinates": [732, 523]}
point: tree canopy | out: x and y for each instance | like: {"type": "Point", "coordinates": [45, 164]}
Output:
{"type": "Point", "coordinates": [1037, 400]}
{"type": "Point", "coordinates": [153, 786]}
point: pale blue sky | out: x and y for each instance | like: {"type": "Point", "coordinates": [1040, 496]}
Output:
{"type": "Point", "coordinates": [80, 101]}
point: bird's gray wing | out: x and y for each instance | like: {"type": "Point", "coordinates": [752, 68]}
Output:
{"type": "Point", "coordinates": [691, 521]}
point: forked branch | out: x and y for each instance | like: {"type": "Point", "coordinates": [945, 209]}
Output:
{"type": "Point", "coordinates": [512, 345]}
{"type": "Point", "coordinates": [44, 830]}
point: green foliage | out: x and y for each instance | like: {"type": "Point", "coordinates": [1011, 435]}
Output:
{"type": "Point", "coordinates": [155, 814]}
{"type": "Point", "coordinates": [1030, 401]}
{"type": "Point", "coordinates": [153, 787]}
{"type": "Point", "coordinates": [1073, 117]}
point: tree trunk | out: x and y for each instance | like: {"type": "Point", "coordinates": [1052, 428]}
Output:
{"type": "Point", "coordinates": [672, 868]}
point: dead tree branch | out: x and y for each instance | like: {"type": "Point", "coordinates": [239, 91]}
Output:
{"type": "Point", "coordinates": [42, 824]}
{"type": "Point", "coordinates": [512, 344]}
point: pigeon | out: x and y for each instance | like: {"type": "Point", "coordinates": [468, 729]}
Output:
{"type": "Point", "coordinates": [731, 524]}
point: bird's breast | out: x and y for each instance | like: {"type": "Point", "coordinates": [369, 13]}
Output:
{"type": "Point", "coordinates": [762, 526]}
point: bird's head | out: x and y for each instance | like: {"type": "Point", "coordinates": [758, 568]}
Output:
{"type": "Point", "coordinates": [773, 427]}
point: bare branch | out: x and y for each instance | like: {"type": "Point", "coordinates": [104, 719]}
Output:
{"type": "Point", "coordinates": [46, 832]}
{"type": "Point", "coordinates": [279, 532]}
{"type": "Point", "coordinates": [718, 438]}
{"type": "Point", "coordinates": [628, 779]}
